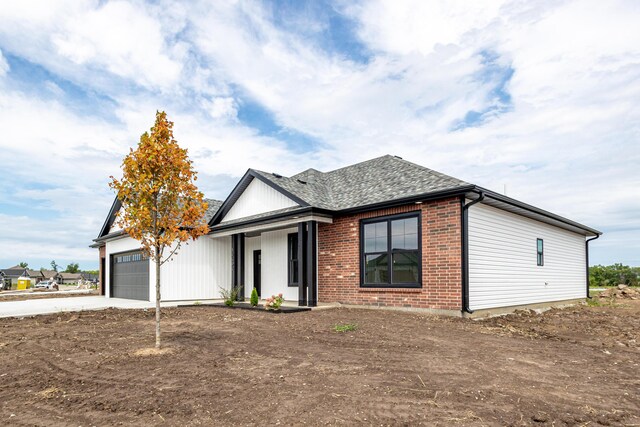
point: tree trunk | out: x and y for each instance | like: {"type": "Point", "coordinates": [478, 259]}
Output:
{"type": "Point", "coordinates": [157, 302]}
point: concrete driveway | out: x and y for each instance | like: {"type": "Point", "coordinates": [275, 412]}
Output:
{"type": "Point", "coordinates": [56, 305]}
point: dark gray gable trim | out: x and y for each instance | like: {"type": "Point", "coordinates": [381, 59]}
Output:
{"type": "Point", "coordinates": [239, 189]}
{"type": "Point", "coordinates": [115, 207]}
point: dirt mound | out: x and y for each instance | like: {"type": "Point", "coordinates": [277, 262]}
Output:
{"type": "Point", "coordinates": [621, 291]}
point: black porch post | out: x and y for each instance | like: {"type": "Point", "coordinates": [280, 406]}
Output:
{"type": "Point", "coordinates": [237, 263]}
{"type": "Point", "coordinates": [311, 261]}
{"type": "Point", "coordinates": [302, 279]}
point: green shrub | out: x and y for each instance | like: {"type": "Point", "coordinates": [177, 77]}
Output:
{"type": "Point", "coordinates": [346, 327]}
{"type": "Point", "coordinates": [274, 302]}
{"type": "Point", "coordinates": [254, 297]}
{"type": "Point", "coordinates": [229, 295]}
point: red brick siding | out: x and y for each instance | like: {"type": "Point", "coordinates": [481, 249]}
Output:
{"type": "Point", "coordinates": [339, 260]}
{"type": "Point", "coordinates": [102, 253]}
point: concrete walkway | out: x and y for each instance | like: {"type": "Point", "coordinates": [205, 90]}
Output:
{"type": "Point", "coordinates": [57, 305]}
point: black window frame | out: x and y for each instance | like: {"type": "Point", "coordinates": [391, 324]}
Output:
{"type": "Point", "coordinates": [540, 252]}
{"type": "Point", "coordinates": [390, 251]}
{"type": "Point", "coordinates": [292, 260]}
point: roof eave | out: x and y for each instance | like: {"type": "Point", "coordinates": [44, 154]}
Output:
{"type": "Point", "coordinates": [525, 206]}
{"type": "Point", "coordinates": [434, 195]}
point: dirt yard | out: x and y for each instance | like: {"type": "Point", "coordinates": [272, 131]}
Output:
{"type": "Point", "coordinates": [40, 294]}
{"type": "Point", "coordinates": [578, 366]}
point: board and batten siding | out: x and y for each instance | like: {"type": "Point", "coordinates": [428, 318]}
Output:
{"type": "Point", "coordinates": [274, 264]}
{"type": "Point", "coordinates": [197, 272]}
{"type": "Point", "coordinates": [258, 198]}
{"type": "Point", "coordinates": [503, 270]}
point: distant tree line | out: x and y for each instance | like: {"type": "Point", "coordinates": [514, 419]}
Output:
{"type": "Point", "coordinates": [612, 275]}
{"type": "Point", "coordinates": [74, 267]}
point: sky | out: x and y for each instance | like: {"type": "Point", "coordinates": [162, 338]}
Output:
{"type": "Point", "coordinates": [540, 98]}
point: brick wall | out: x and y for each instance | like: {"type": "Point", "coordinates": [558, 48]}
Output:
{"type": "Point", "coordinates": [339, 260]}
{"type": "Point", "coordinates": [102, 251]}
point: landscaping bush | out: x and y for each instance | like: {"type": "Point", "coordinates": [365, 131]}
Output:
{"type": "Point", "coordinates": [274, 302]}
{"type": "Point", "coordinates": [229, 296]}
{"type": "Point", "coordinates": [254, 297]}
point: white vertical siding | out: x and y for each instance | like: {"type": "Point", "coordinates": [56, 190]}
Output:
{"type": "Point", "coordinates": [258, 198]}
{"type": "Point", "coordinates": [198, 271]}
{"type": "Point", "coordinates": [114, 247]}
{"type": "Point", "coordinates": [250, 244]}
{"type": "Point", "coordinates": [274, 264]}
{"type": "Point", "coordinates": [503, 268]}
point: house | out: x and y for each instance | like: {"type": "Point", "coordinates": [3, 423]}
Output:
{"type": "Point", "coordinates": [69, 278]}
{"type": "Point", "coordinates": [52, 275]}
{"type": "Point", "coordinates": [36, 276]}
{"type": "Point", "coordinates": [12, 274]}
{"type": "Point", "coordinates": [385, 233]}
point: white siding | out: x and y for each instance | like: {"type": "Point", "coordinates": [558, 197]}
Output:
{"type": "Point", "coordinates": [274, 264]}
{"type": "Point", "coordinates": [114, 247]}
{"type": "Point", "coordinates": [503, 268]}
{"type": "Point", "coordinates": [250, 244]}
{"type": "Point", "coordinates": [197, 272]}
{"type": "Point", "coordinates": [258, 198]}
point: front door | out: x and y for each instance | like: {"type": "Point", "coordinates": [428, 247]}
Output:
{"type": "Point", "coordinates": [257, 273]}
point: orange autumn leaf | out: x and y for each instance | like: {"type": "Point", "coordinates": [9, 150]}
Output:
{"type": "Point", "coordinates": [161, 205]}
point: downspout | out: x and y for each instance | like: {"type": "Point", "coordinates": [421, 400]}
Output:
{"type": "Point", "coordinates": [586, 251]}
{"type": "Point", "coordinates": [465, 249]}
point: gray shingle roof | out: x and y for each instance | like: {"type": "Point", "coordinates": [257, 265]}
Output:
{"type": "Point", "coordinates": [382, 179]}
{"type": "Point", "coordinates": [13, 272]}
{"type": "Point", "coordinates": [213, 207]}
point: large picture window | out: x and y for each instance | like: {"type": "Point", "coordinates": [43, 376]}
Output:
{"type": "Point", "coordinates": [390, 251]}
{"type": "Point", "coordinates": [292, 258]}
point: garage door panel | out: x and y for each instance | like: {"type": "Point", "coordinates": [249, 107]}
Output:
{"type": "Point", "coordinates": [130, 276]}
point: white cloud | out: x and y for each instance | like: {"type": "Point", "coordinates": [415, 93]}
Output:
{"type": "Point", "coordinates": [4, 65]}
{"type": "Point", "coordinates": [566, 140]}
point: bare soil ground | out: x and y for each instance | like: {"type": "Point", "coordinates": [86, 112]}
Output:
{"type": "Point", "coordinates": [43, 294]}
{"type": "Point", "coordinates": [577, 366]}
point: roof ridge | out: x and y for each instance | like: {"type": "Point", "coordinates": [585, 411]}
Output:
{"type": "Point", "coordinates": [440, 174]}
{"type": "Point", "coordinates": [360, 163]}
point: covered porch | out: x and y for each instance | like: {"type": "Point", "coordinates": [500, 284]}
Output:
{"type": "Point", "coordinates": [275, 257]}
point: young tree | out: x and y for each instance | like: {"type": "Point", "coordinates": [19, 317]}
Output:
{"type": "Point", "coordinates": [161, 205]}
{"type": "Point", "coordinates": [23, 265]}
{"type": "Point", "coordinates": [54, 266]}
{"type": "Point", "coordinates": [72, 268]}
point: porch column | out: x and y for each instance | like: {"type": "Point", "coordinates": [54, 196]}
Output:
{"type": "Point", "coordinates": [237, 264]}
{"type": "Point", "coordinates": [311, 261]}
{"type": "Point", "coordinates": [302, 286]}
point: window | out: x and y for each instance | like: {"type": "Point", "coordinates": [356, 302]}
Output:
{"type": "Point", "coordinates": [390, 251]}
{"type": "Point", "coordinates": [292, 257]}
{"type": "Point", "coordinates": [540, 248]}
{"type": "Point", "coordinates": [130, 258]}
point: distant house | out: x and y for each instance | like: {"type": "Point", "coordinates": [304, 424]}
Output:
{"type": "Point", "coordinates": [68, 278]}
{"type": "Point", "coordinates": [12, 274]}
{"type": "Point", "coordinates": [36, 276]}
{"type": "Point", "coordinates": [3, 284]}
{"type": "Point", "coordinates": [52, 275]}
{"type": "Point", "coordinates": [89, 276]}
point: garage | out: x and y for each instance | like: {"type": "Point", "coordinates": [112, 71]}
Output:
{"type": "Point", "coordinates": [130, 276]}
